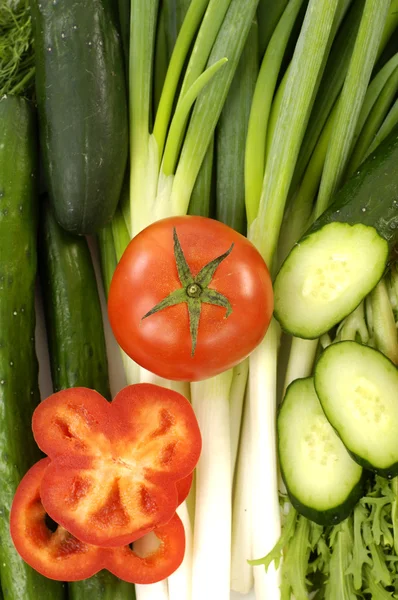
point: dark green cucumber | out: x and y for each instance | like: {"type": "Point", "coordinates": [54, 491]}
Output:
{"type": "Point", "coordinates": [77, 346]}
{"type": "Point", "coordinates": [344, 254]}
{"type": "Point", "coordinates": [103, 586]}
{"type": "Point", "coordinates": [19, 391]}
{"type": "Point", "coordinates": [81, 97]}
{"type": "Point", "coordinates": [358, 390]}
{"type": "Point", "coordinates": [72, 308]}
{"type": "Point", "coordinates": [324, 483]}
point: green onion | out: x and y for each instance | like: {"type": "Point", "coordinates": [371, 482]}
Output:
{"type": "Point", "coordinates": [304, 74]}
{"type": "Point", "coordinates": [204, 42]}
{"type": "Point", "coordinates": [161, 57]}
{"type": "Point", "coordinates": [261, 106]}
{"type": "Point", "coordinates": [179, 584]}
{"type": "Point", "coordinates": [211, 561]}
{"type": "Point", "coordinates": [268, 14]}
{"type": "Point", "coordinates": [374, 121]}
{"type": "Point", "coordinates": [347, 113]}
{"type": "Point", "coordinates": [231, 135]}
{"type": "Point", "coordinates": [241, 571]}
{"type": "Point", "coordinates": [296, 105]}
{"type": "Point", "coordinates": [174, 12]}
{"type": "Point", "coordinates": [363, 58]}
{"type": "Point", "coordinates": [380, 316]}
{"type": "Point", "coordinates": [188, 29]}
{"type": "Point", "coordinates": [298, 215]}
{"type": "Point", "coordinates": [209, 105]}
{"type": "Point", "coordinates": [201, 202]}
{"type": "Point", "coordinates": [236, 400]}
{"type": "Point", "coordinates": [373, 92]}
{"type": "Point", "coordinates": [389, 123]}
{"type": "Point", "coordinates": [330, 86]}
{"type": "Point", "coordinates": [177, 127]}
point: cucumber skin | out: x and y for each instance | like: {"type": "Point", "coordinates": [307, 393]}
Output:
{"type": "Point", "coordinates": [103, 586]}
{"type": "Point", "coordinates": [19, 390]}
{"type": "Point", "coordinates": [334, 515]}
{"type": "Point", "coordinates": [72, 309]}
{"type": "Point", "coordinates": [370, 196]}
{"type": "Point", "coordinates": [392, 470]}
{"type": "Point", "coordinates": [81, 97]}
{"type": "Point", "coordinates": [77, 347]}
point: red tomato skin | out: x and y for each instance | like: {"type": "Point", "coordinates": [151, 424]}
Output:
{"type": "Point", "coordinates": [147, 273]}
{"type": "Point", "coordinates": [44, 551]}
{"type": "Point", "coordinates": [123, 461]}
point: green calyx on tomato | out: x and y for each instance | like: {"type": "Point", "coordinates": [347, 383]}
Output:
{"type": "Point", "coordinates": [195, 290]}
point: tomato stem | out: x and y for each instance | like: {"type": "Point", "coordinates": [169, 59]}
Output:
{"type": "Point", "coordinates": [195, 290]}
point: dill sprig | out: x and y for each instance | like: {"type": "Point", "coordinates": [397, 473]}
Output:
{"type": "Point", "coordinates": [16, 48]}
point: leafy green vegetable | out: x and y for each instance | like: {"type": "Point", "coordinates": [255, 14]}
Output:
{"type": "Point", "coordinates": [357, 558]}
{"type": "Point", "coordinates": [16, 48]}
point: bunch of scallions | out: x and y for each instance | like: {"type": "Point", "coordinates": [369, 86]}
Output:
{"type": "Point", "coordinates": [254, 112]}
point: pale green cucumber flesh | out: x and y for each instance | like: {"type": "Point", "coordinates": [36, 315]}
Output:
{"type": "Point", "coordinates": [326, 276]}
{"type": "Point", "coordinates": [322, 479]}
{"type": "Point", "coordinates": [358, 390]}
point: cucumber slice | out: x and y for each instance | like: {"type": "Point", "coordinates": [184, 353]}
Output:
{"type": "Point", "coordinates": [358, 390]}
{"type": "Point", "coordinates": [323, 481]}
{"type": "Point", "coordinates": [343, 255]}
{"type": "Point", "coordinates": [326, 276]}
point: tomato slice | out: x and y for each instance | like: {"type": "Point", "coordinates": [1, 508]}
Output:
{"type": "Point", "coordinates": [54, 552]}
{"type": "Point", "coordinates": [155, 565]}
{"type": "Point", "coordinates": [57, 554]}
{"type": "Point", "coordinates": [115, 466]}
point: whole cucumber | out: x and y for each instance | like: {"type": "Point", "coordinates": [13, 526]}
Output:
{"type": "Point", "coordinates": [72, 308]}
{"type": "Point", "coordinates": [77, 347]}
{"type": "Point", "coordinates": [81, 97]}
{"type": "Point", "coordinates": [19, 390]}
{"type": "Point", "coordinates": [103, 586]}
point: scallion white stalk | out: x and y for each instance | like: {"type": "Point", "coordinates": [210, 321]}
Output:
{"type": "Point", "coordinates": [241, 571]}
{"type": "Point", "coordinates": [301, 361]}
{"type": "Point", "coordinates": [211, 559]}
{"type": "Point", "coordinates": [180, 582]}
{"type": "Point", "coordinates": [384, 330]}
{"type": "Point", "coordinates": [152, 591]}
{"type": "Point", "coordinates": [237, 397]}
{"type": "Point", "coordinates": [265, 517]}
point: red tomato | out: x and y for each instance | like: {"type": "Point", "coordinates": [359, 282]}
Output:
{"type": "Point", "coordinates": [115, 466]}
{"type": "Point", "coordinates": [232, 297]}
{"type": "Point", "coordinates": [58, 555]}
